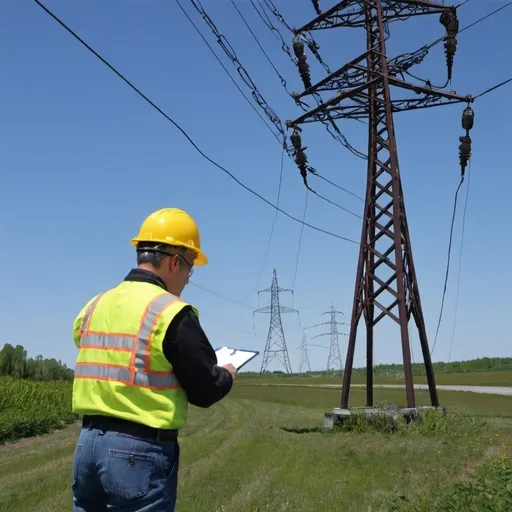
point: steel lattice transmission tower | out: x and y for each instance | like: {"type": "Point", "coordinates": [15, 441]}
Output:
{"type": "Point", "coordinates": [275, 347]}
{"type": "Point", "coordinates": [334, 361]}
{"type": "Point", "coordinates": [304, 357]}
{"type": "Point", "coordinates": [385, 276]}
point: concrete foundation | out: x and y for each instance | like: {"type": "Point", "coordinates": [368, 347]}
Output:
{"type": "Point", "coordinates": [339, 415]}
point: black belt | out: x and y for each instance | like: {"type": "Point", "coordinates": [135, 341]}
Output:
{"type": "Point", "coordinates": [129, 427]}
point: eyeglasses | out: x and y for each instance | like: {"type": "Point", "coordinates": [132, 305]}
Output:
{"type": "Point", "coordinates": [171, 254]}
{"type": "Point", "coordinates": [189, 265]}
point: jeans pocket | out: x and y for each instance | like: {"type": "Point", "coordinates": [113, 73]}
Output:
{"type": "Point", "coordinates": [129, 473]}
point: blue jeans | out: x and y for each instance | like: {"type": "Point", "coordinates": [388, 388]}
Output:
{"type": "Point", "coordinates": [116, 471]}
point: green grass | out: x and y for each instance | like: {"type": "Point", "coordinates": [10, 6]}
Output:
{"type": "Point", "coordinates": [468, 379]}
{"type": "Point", "coordinates": [262, 449]}
{"type": "Point", "coordinates": [328, 398]}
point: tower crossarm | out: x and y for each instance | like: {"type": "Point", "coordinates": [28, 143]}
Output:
{"type": "Point", "coordinates": [312, 115]}
{"type": "Point", "coordinates": [346, 76]}
{"type": "Point", "coordinates": [320, 335]}
{"type": "Point", "coordinates": [351, 13]}
{"type": "Point", "coordinates": [352, 74]}
{"type": "Point", "coordinates": [266, 309]}
{"type": "Point", "coordinates": [418, 89]}
{"type": "Point", "coordinates": [431, 97]}
{"type": "Point", "coordinates": [326, 323]}
{"type": "Point", "coordinates": [285, 309]}
{"type": "Point", "coordinates": [282, 309]}
{"type": "Point", "coordinates": [318, 325]}
{"type": "Point", "coordinates": [329, 334]}
{"type": "Point", "coordinates": [278, 289]}
{"type": "Point", "coordinates": [333, 312]}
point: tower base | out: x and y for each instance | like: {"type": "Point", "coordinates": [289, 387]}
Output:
{"type": "Point", "coordinates": [338, 415]}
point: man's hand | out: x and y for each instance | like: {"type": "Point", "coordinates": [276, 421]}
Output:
{"type": "Point", "coordinates": [231, 369]}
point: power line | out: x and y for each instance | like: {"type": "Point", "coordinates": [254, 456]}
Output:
{"type": "Point", "coordinates": [484, 17]}
{"type": "Point", "coordinates": [340, 137]}
{"type": "Point", "coordinates": [227, 326]}
{"type": "Point", "coordinates": [308, 38]}
{"type": "Point", "coordinates": [226, 70]}
{"type": "Point", "coordinates": [337, 205]}
{"type": "Point", "coordinates": [270, 113]}
{"type": "Point", "coordinates": [273, 226]}
{"type": "Point", "coordinates": [460, 263]}
{"type": "Point", "coordinates": [494, 88]}
{"type": "Point", "coordinates": [300, 62]}
{"type": "Point", "coordinates": [437, 41]}
{"type": "Point", "coordinates": [268, 21]}
{"type": "Point", "coordinates": [340, 187]}
{"type": "Point", "coordinates": [300, 239]}
{"type": "Point", "coordinates": [283, 81]}
{"type": "Point", "coordinates": [450, 242]}
{"type": "Point", "coordinates": [447, 264]}
{"type": "Point", "coordinates": [159, 110]}
{"type": "Point", "coordinates": [244, 75]}
{"type": "Point", "coordinates": [440, 39]}
{"type": "Point", "coordinates": [220, 296]}
{"type": "Point", "coordinates": [276, 32]}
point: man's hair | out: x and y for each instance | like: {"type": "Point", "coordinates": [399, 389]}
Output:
{"type": "Point", "coordinates": [154, 252]}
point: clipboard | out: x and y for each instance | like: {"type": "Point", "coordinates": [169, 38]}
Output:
{"type": "Point", "coordinates": [237, 357]}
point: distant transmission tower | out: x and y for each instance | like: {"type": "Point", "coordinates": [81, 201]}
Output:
{"type": "Point", "coordinates": [304, 357]}
{"type": "Point", "coordinates": [276, 343]}
{"type": "Point", "coordinates": [334, 359]}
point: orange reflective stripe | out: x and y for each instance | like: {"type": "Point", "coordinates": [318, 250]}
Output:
{"type": "Point", "coordinates": [86, 321]}
{"type": "Point", "coordinates": [138, 373]}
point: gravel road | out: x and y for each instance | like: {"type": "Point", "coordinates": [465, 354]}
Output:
{"type": "Point", "coordinates": [491, 390]}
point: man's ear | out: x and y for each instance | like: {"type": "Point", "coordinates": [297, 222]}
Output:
{"type": "Point", "coordinates": [173, 263]}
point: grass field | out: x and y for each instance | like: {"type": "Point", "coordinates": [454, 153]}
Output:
{"type": "Point", "coordinates": [262, 449]}
{"type": "Point", "coordinates": [467, 379]}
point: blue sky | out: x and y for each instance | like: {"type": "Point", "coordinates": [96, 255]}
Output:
{"type": "Point", "coordinates": [85, 159]}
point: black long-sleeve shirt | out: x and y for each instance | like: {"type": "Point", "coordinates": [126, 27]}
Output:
{"type": "Point", "coordinates": [187, 348]}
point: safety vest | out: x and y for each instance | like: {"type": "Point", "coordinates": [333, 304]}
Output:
{"type": "Point", "coordinates": [121, 369]}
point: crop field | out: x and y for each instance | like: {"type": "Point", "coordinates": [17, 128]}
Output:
{"type": "Point", "coordinates": [263, 449]}
{"type": "Point", "coordinates": [29, 408]}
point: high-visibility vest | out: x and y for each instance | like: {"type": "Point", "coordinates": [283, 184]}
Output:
{"type": "Point", "coordinates": [121, 369]}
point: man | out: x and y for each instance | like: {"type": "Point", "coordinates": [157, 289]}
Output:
{"type": "Point", "coordinates": [143, 357]}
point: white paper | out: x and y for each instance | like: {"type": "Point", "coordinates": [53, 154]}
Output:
{"type": "Point", "coordinates": [236, 357]}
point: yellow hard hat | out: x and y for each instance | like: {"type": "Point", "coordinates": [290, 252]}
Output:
{"type": "Point", "coordinates": [174, 227]}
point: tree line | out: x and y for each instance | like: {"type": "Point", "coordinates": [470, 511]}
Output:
{"type": "Point", "coordinates": [14, 362]}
